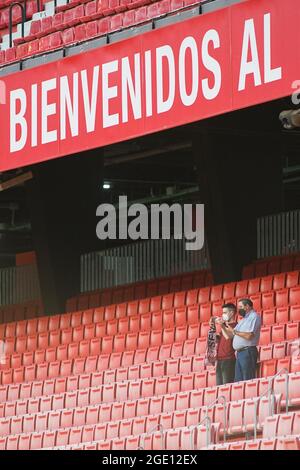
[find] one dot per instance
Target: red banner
(218, 62)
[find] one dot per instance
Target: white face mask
(225, 317)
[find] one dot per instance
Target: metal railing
(23, 7)
(278, 234)
(140, 261)
(208, 424)
(222, 399)
(158, 427)
(271, 397)
(19, 284)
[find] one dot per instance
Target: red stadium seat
(168, 318)
(185, 365)
(157, 320)
(292, 331)
(256, 299)
(241, 289)
(253, 286)
(144, 339)
(180, 316)
(288, 443)
(235, 417)
(204, 295)
(173, 440)
(205, 312)
(268, 368)
(268, 300)
(145, 321)
(266, 284)
(295, 313)
(200, 347)
(278, 333)
(279, 350)
(292, 279)
(216, 293)
(282, 298)
(282, 315)
(179, 299)
(204, 330)
(295, 364)
(265, 336)
(268, 317)
(182, 401)
(294, 295)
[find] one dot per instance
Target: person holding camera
(225, 354)
(245, 340)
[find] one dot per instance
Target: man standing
(225, 353)
(245, 339)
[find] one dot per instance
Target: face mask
(225, 317)
(242, 312)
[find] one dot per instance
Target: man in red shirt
(225, 353)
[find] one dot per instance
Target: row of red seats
(91, 376)
(80, 14)
(140, 290)
(210, 300)
(205, 296)
(66, 439)
(80, 353)
(85, 405)
(78, 418)
(10, 313)
(279, 350)
(225, 292)
(273, 265)
(34, 334)
(101, 362)
(110, 320)
(85, 355)
(44, 346)
(120, 342)
(144, 414)
(178, 391)
(281, 443)
(84, 31)
(282, 425)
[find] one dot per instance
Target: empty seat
(270, 426)
(268, 444)
(235, 417)
(266, 284)
(282, 314)
(294, 295)
(268, 317)
(265, 336)
(278, 333)
(292, 331)
(205, 312)
(295, 313)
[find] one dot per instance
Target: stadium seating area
(76, 21)
(132, 375)
(273, 265)
(10, 313)
(140, 290)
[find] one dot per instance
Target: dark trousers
(225, 371)
(245, 367)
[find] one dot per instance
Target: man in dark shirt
(225, 352)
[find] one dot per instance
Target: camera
(290, 119)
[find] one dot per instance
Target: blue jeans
(245, 366)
